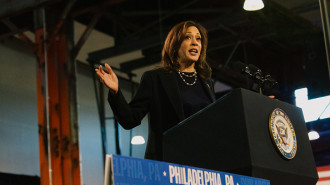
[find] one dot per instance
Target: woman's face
(190, 48)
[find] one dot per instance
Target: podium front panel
(232, 134)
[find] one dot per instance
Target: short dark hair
(172, 45)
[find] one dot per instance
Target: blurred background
(48, 49)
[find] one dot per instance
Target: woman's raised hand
(109, 79)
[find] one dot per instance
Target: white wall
(19, 142)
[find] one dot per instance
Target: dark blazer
(158, 95)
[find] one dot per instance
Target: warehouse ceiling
(285, 34)
(284, 39)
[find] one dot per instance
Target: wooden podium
(232, 135)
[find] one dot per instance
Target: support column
(57, 110)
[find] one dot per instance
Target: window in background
(313, 109)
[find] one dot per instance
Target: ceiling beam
(292, 16)
(124, 48)
(20, 33)
(307, 7)
(185, 11)
(86, 34)
(12, 7)
(95, 8)
(138, 63)
(154, 40)
(161, 18)
(63, 17)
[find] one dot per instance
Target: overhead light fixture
(138, 140)
(313, 135)
(253, 5)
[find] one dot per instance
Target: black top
(194, 97)
(159, 96)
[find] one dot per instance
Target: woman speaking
(169, 94)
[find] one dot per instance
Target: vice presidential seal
(282, 133)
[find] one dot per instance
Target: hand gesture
(109, 79)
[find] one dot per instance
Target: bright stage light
(253, 5)
(313, 135)
(138, 140)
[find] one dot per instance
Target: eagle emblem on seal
(282, 133)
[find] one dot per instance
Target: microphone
(264, 80)
(242, 67)
(270, 82)
(257, 74)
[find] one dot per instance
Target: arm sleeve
(130, 115)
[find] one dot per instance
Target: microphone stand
(262, 80)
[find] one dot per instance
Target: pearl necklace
(189, 76)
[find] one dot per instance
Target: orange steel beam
(70, 150)
(60, 166)
(42, 109)
(54, 114)
(63, 17)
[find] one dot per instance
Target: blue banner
(122, 170)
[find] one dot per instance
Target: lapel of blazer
(208, 86)
(169, 83)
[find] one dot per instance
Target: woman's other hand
(109, 79)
